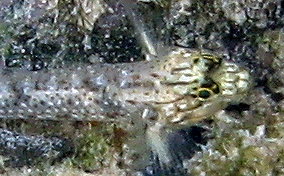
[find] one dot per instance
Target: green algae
(275, 39)
(94, 148)
(253, 161)
(246, 161)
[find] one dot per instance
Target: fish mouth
(232, 79)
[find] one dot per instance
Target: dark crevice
(238, 108)
(277, 97)
(183, 144)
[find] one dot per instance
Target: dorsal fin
(140, 27)
(151, 30)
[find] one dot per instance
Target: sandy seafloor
(244, 139)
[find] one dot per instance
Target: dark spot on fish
(31, 116)
(131, 102)
(96, 101)
(193, 95)
(69, 101)
(146, 93)
(136, 77)
(196, 60)
(155, 75)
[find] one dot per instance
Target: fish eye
(204, 93)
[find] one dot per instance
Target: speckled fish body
(148, 99)
(84, 92)
(180, 86)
